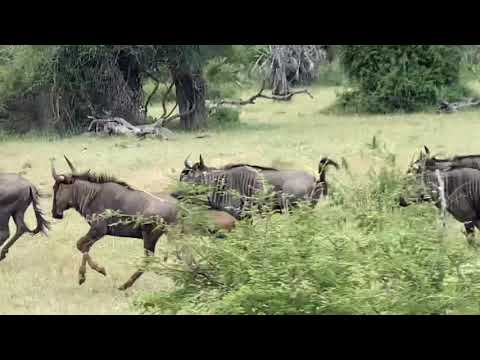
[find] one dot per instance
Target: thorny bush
(357, 253)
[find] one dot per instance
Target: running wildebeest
(290, 186)
(462, 194)
(16, 195)
(91, 195)
(216, 220)
(293, 186)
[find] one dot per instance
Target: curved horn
(54, 172)
(187, 164)
(74, 171)
(412, 160)
(202, 164)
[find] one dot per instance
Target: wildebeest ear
(427, 150)
(202, 164)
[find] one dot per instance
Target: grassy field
(39, 276)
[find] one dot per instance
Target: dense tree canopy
(58, 87)
(71, 82)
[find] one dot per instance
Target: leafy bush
(471, 60)
(224, 117)
(23, 69)
(388, 78)
(358, 254)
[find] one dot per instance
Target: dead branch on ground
(446, 107)
(260, 95)
(116, 126)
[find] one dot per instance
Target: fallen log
(446, 107)
(116, 126)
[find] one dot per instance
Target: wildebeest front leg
(149, 242)
(96, 232)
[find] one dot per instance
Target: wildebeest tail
(42, 224)
(322, 166)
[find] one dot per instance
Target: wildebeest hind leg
(149, 243)
(4, 231)
(21, 229)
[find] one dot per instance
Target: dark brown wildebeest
(209, 222)
(215, 220)
(462, 195)
(290, 186)
(16, 195)
(92, 195)
(220, 220)
(294, 186)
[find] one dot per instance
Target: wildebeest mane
(438, 160)
(100, 179)
(258, 167)
(456, 157)
(461, 157)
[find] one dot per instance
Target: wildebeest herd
(232, 195)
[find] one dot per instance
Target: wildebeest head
(427, 162)
(419, 165)
(62, 191)
(191, 173)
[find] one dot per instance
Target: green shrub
(389, 78)
(23, 69)
(471, 61)
(224, 117)
(358, 254)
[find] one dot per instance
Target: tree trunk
(190, 93)
(331, 53)
(292, 65)
(280, 84)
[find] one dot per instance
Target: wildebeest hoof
(2, 256)
(81, 279)
(123, 287)
(102, 271)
